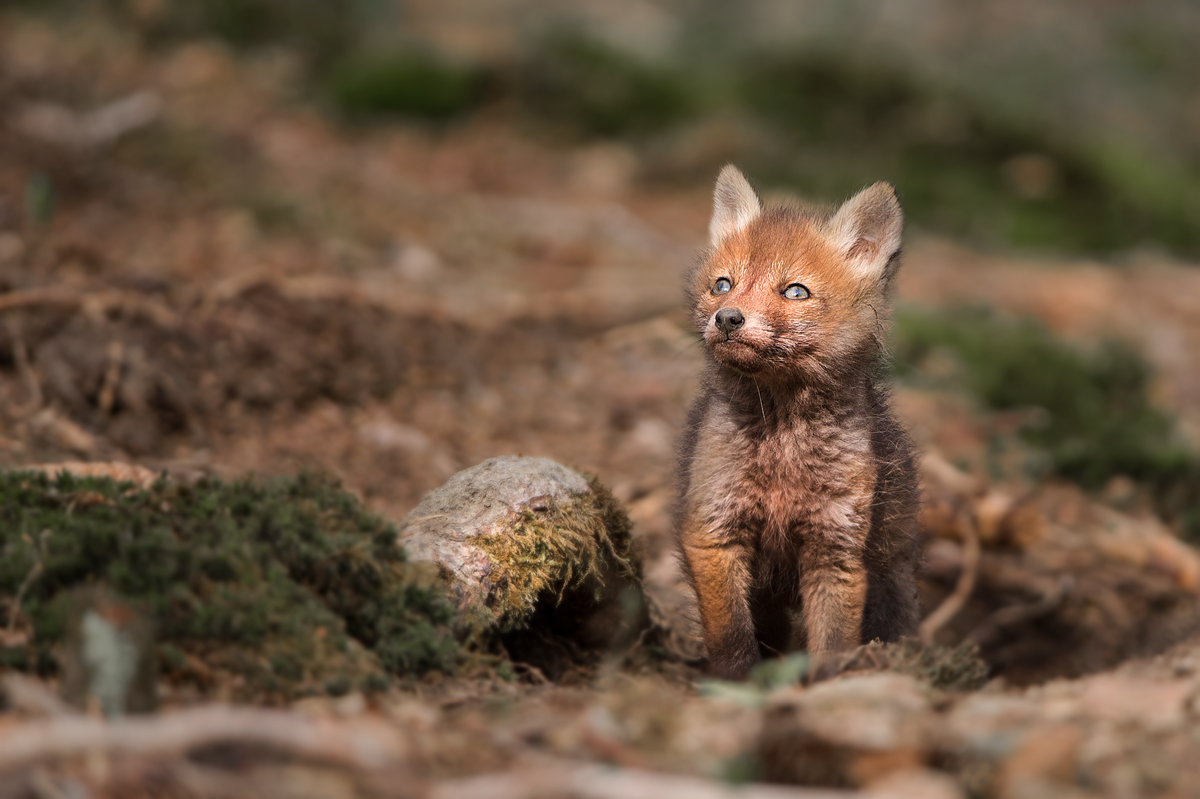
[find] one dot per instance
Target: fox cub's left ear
(735, 205)
(867, 229)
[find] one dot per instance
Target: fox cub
(797, 486)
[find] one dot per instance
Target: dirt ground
(234, 284)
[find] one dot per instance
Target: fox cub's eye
(722, 286)
(796, 292)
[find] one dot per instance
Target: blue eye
(796, 292)
(722, 286)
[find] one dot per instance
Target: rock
(846, 732)
(528, 545)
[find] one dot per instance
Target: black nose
(729, 319)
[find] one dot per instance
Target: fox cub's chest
(813, 476)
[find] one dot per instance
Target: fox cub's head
(788, 294)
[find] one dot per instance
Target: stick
(27, 298)
(952, 604)
(1010, 616)
(368, 744)
(32, 385)
(96, 303)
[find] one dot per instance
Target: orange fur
(798, 491)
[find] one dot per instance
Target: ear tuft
(735, 205)
(867, 230)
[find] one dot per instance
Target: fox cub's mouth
(736, 353)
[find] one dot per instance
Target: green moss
(958, 668)
(586, 85)
(289, 583)
(1094, 418)
(410, 83)
(553, 550)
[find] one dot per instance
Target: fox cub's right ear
(867, 228)
(735, 205)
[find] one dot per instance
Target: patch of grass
(1094, 416)
(409, 83)
(594, 89)
(290, 584)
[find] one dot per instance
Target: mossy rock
(278, 588)
(528, 545)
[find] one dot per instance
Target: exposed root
(94, 304)
(1012, 616)
(953, 603)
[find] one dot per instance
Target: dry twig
(32, 385)
(94, 303)
(1008, 617)
(953, 603)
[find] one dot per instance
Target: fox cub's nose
(729, 319)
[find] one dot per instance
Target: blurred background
(389, 239)
(1054, 126)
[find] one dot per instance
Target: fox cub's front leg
(833, 589)
(720, 573)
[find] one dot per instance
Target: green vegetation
(290, 584)
(410, 83)
(831, 122)
(40, 200)
(1095, 418)
(321, 30)
(592, 88)
(963, 166)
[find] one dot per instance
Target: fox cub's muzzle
(729, 320)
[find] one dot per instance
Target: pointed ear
(867, 228)
(735, 205)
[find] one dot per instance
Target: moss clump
(409, 83)
(1096, 419)
(958, 668)
(291, 584)
(555, 549)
